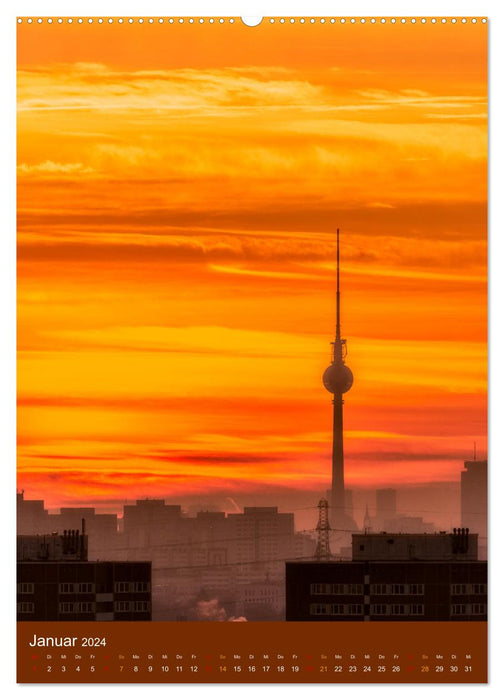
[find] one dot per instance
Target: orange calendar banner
(252, 349)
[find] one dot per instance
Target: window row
(468, 588)
(468, 609)
(88, 587)
(392, 589)
(397, 609)
(132, 586)
(397, 589)
(82, 607)
(336, 609)
(119, 606)
(83, 587)
(336, 589)
(131, 606)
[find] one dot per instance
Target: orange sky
(179, 188)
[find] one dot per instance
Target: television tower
(338, 379)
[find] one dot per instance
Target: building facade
(393, 577)
(56, 582)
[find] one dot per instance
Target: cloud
(421, 98)
(272, 274)
(115, 481)
(98, 87)
(283, 226)
(448, 251)
(207, 340)
(86, 458)
(221, 458)
(385, 456)
(269, 140)
(465, 115)
(380, 205)
(48, 167)
(203, 404)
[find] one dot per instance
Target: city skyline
(172, 339)
(438, 504)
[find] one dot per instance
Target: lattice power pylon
(323, 551)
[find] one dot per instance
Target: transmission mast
(323, 551)
(338, 379)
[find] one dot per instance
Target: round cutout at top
(251, 21)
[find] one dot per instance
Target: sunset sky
(179, 190)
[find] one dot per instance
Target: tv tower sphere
(338, 378)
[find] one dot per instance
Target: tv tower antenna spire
(338, 318)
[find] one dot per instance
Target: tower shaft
(338, 472)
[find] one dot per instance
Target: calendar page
(252, 322)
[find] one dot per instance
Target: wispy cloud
(97, 86)
(50, 168)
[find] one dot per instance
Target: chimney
(460, 540)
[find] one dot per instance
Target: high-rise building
(260, 540)
(473, 500)
(31, 516)
(386, 506)
(151, 522)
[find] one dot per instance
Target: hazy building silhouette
(386, 507)
(393, 577)
(260, 540)
(101, 528)
(389, 520)
(31, 516)
(211, 556)
(349, 507)
(97, 524)
(150, 521)
(473, 500)
(367, 524)
(408, 524)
